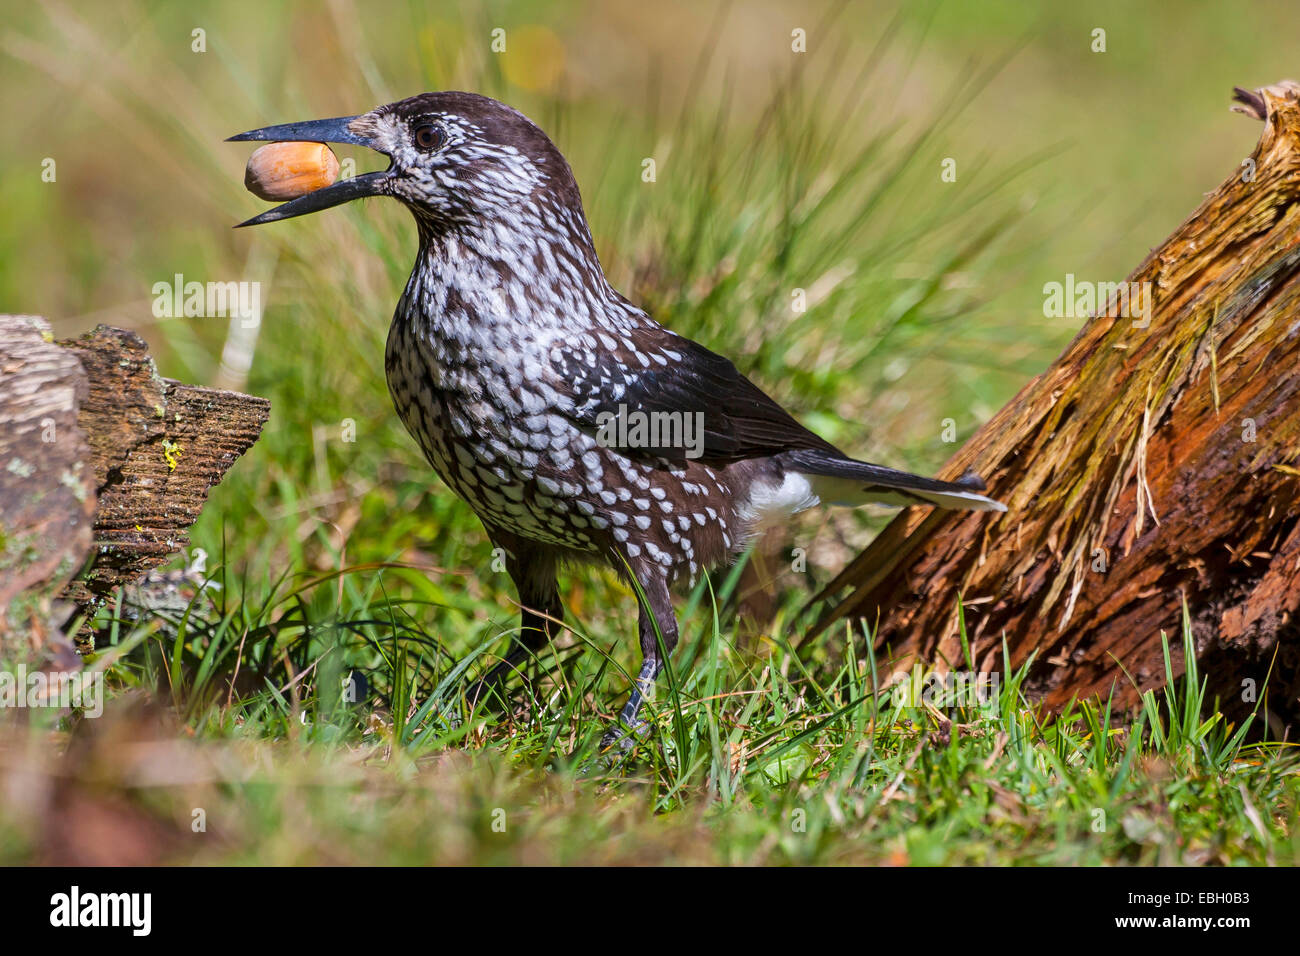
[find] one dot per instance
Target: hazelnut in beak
(281, 171)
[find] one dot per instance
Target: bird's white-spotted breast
(481, 389)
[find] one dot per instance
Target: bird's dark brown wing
(653, 371)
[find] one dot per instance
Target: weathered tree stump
(1147, 467)
(47, 487)
(104, 466)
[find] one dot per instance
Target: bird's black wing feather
(654, 371)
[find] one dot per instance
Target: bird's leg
(658, 627)
(534, 631)
(532, 568)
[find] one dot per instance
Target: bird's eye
(429, 137)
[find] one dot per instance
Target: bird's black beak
(336, 130)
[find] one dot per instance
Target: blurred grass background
(775, 171)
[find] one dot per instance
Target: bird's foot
(616, 746)
(622, 737)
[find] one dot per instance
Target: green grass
(336, 556)
(748, 759)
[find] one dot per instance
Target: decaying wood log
(1147, 467)
(47, 489)
(159, 445)
(99, 436)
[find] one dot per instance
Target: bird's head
(457, 160)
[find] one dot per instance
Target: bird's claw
(621, 737)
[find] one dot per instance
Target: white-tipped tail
(844, 481)
(851, 493)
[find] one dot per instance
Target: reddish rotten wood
(1146, 467)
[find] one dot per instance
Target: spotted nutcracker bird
(510, 355)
